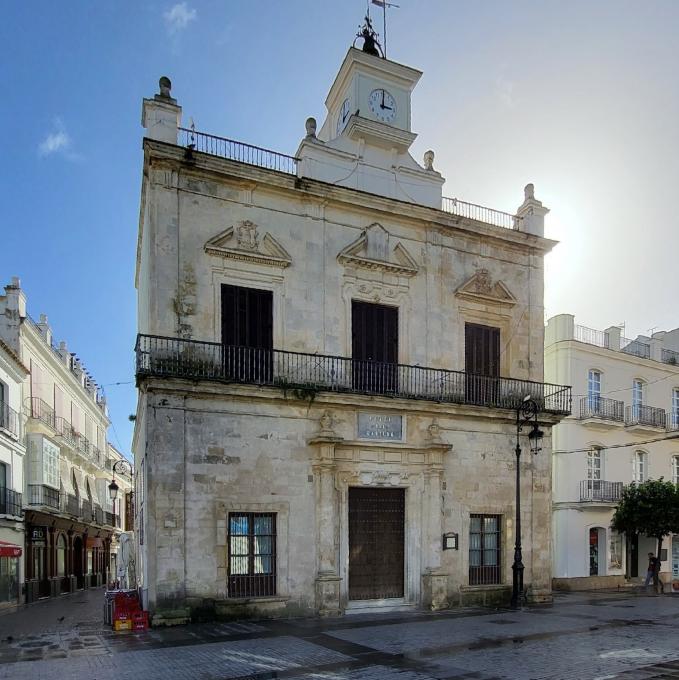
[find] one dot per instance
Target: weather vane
(383, 4)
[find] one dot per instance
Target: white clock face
(343, 116)
(382, 105)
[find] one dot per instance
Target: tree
(650, 508)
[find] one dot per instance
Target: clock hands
(382, 105)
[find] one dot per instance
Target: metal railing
(43, 495)
(70, 504)
(9, 419)
(42, 411)
(87, 512)
(645, 415)
(602, 408)
(591, 336)
(669, 356)
(635, 348)
(480, 213)
(64, 428)
(593, 490)
(11, 502)
(109, 519)
(98, 515)
(237, 151)
(297, 372)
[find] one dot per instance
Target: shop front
(10, 574)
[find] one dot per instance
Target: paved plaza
(582, 636)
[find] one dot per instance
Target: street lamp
(120, 465)
(526, 413)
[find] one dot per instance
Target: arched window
(640, 466)
(61, 555)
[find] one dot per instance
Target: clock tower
(365, 139)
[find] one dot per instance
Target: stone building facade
(624, 428)
(329, 361)
(68, 516)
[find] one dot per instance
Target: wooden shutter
(374, 332)
(482, 350)
(247, 317)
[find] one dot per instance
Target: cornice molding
(481, 288)
(248, 248)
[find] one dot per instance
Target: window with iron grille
(484, 550)
(252, 554)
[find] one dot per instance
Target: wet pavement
(582, 636)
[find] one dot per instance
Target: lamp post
(526, 413)
(119, 466)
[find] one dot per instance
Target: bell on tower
(370, 43)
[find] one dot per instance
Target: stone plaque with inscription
(380, 426)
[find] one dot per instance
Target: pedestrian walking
(658, 585)
(650, 570)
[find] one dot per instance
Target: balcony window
(594, 465)
(484, 549)
(637, 397)
(594, 390)
(374, 347)
(640, 466)
(482, 363)
(252, 554)
(674, 417)
(675, 469)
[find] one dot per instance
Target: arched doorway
(78, 551)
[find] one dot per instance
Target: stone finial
(529, 192)
(165, 85)
(16, 283)
(310, 126)
(429, 160)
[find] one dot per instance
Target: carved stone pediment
(481, 288)
(372, 250)
(243, 242)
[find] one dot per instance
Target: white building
(329, 359)
(625, 392)
(12, 454)
(69, 523)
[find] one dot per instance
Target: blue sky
(580, 98)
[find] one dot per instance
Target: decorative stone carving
(481, 288)
(371, 250)
(434, 431)
(249, 247)
(165, 87)
(248, 239)
(429, 160)
(327, 424)
(529, 192)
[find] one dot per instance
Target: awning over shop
(93, 489)
(80, 483)
(66, 478)
(9, 549)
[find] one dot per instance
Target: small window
(640, 466)
(252, 554)
(484, 549)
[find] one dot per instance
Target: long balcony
(307, 374)
(604, 412)
(599, 491)
(9, 420)
(641, 417)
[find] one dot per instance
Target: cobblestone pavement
(593, 636)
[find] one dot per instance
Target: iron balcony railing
(9, 419)
(42, 411)
(635, 348)
(591, 336)
(98, 515)
(11, 502)
(109, 519)
(669, 356)
(480, 213)
(645, 415)
(87, 512)
(597, 490)
(311, 373)
(43, 495)
(70, 504)
(237, 151)
(602, 408)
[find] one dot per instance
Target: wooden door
(482, 364)
(374, 336)
(247, 333)
(376, 543)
